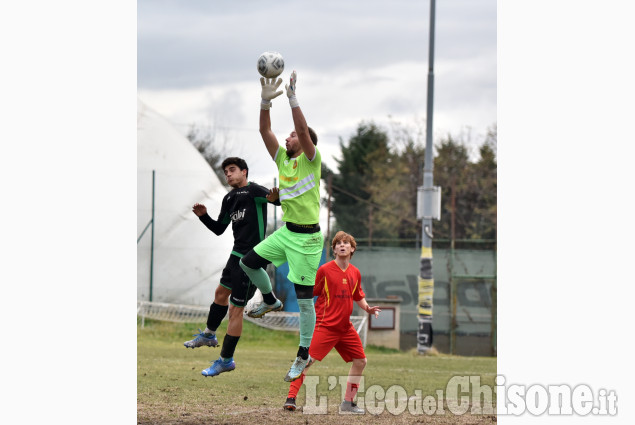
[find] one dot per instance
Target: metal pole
(426, 281)
(152, 238)
(453, 282)
(494, 308)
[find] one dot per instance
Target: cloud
(356, 61)
(185, 44)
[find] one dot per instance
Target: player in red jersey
(337, 285)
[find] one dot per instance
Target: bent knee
(360, 362)
(235, 310)
(222, 293)
(253, 261)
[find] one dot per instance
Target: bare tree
(203, 140)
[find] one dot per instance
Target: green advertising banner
(395, 272)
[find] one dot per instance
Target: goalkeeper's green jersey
(299, 187)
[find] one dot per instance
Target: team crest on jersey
(344, 281)
(295, 164)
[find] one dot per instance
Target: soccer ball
(270, 64)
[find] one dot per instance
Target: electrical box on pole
(429, 203)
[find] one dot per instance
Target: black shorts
(235, 279)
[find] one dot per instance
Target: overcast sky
(356, 61)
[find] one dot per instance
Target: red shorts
(347, 343)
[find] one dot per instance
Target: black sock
(303, 352)
(216, 315)
(269, 298)
(229, 346)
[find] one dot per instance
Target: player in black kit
(245, 207)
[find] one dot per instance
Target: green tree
(451, 173)
(411, 159)
(352, 184)
(375, 189)
(484, 172)
(468, 200)
(376, 183)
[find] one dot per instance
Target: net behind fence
(277, 320)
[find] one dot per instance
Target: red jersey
(336, 290)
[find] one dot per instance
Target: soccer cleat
(289, 404)
(297, 368)
(265, 308)
(350, 407)
(201, 340)
(218, 367)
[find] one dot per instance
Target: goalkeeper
(299, 242)
(337, 285)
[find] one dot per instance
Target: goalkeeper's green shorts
(302, 251)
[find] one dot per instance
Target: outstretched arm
(301, 127)
(269, 87)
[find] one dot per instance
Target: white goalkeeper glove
(268, 93)
(291, 90)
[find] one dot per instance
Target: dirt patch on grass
(244, 415)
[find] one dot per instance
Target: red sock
(351, 390)
(295, 386)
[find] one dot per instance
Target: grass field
(171, 389)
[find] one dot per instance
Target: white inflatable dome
(187, 258)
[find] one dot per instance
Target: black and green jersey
(246, 209)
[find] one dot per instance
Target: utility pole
(453, 294)
(426, 281)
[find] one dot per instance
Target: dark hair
(313, 135)
(239, 162)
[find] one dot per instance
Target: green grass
(171, 389)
